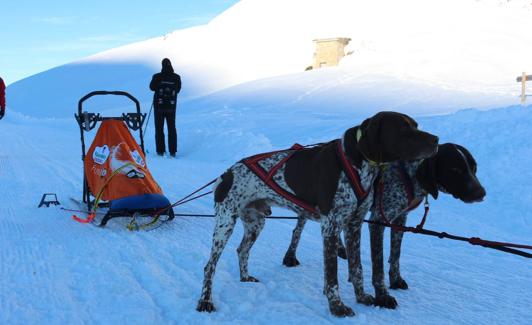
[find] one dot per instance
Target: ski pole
(148, 123)
(148, 120)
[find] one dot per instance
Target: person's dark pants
(159, 117)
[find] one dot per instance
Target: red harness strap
(409, 187)
(352, 173)
(422, 223)
(267, 176)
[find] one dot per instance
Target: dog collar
(359, 134)
(371, 162)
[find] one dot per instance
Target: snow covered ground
(452, 65)
(54, 270)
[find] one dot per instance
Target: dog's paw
(385, 301)
(398, 283)
(204, 305)
(249, 279)
(365, 299)
(290, 261)
(338, 309)
(342, 253)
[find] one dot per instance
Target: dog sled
(115, 172)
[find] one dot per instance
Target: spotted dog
(404, 185)
(452, 170)
(315, 175)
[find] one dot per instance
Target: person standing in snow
(166, 86)
(2, 98)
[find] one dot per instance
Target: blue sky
(38, 35)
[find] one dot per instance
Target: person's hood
(167, 66)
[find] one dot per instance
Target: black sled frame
(87, 122)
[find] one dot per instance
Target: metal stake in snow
(523, 79)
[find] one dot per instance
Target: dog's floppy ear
(470, 160)
(369, 142)
(426, 176)
(350, 145)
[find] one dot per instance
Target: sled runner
(115, 173)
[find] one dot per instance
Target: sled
(115, 172)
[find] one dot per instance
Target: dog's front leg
(396, 281)
(382, 298)
(329, 231)
(352, 239)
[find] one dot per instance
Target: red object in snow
(2, 94)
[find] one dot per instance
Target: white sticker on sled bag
(101, 154)
(138, 158)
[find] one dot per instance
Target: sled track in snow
(30, 238)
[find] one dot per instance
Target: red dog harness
(409, 189)
(267, 176)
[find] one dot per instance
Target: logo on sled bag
(99, 171)
(112, 153)
(101, 154)
(138, 158)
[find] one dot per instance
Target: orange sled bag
(116, 171)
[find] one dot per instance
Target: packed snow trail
(55, 270)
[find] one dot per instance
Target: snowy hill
(430, 42)
(342, 91)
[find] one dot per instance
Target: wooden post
(523, 89)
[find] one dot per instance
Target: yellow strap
(100, 193)
(133, 225)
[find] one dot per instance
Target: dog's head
(390, 136)
(452, 170)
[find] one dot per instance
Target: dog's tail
(218, 182)
(222, 186)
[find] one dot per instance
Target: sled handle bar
(105, 92)
(92, 120)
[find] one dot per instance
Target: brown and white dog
(316, 176)
(452, 170)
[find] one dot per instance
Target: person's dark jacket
(166, 75)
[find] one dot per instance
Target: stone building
(329, 51)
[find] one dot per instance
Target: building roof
(338, 39)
